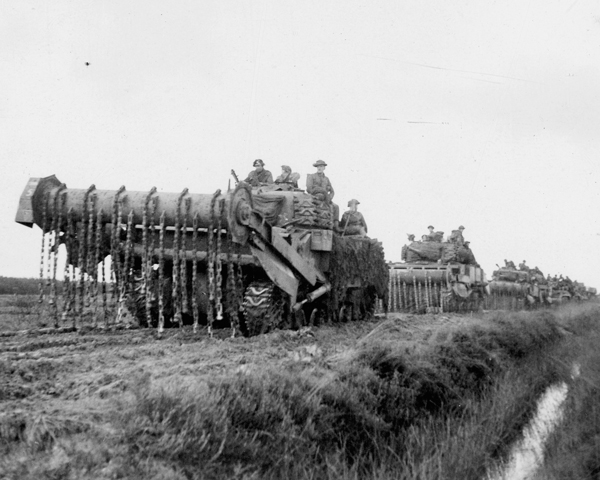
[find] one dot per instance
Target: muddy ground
(80, 375)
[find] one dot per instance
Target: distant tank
(252, 259)
(512, 289)
(436, 277)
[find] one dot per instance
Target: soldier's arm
(269, 178)
(331, 191)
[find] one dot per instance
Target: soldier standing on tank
(353, 222)
(431, 234)
(318, 185)
(259, 176)
(457, 236)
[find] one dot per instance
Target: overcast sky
(480, 113)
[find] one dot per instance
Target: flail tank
(249, 259)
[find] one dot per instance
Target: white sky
(481, 113)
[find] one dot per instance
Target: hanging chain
(195, 271)
(91, 265)
(57, 225)
(115, 242)
(161, 274)
(176, 294)
(100, 286)
(127, 284)
(240, 281)
(183, 257)
(149, 204)
(219, 266)
(43, 254)
(70, 282)
(211, 264)
(231, 294)
(82, 238)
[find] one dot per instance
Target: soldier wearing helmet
(353, 222)
(259, 176)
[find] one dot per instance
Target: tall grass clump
(387, 408)
(573, 450)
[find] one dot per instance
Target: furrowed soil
(128, 404)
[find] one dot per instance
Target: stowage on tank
(249, 259)
(436, 276)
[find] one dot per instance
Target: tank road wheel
(264, 307)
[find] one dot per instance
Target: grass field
(428, 396)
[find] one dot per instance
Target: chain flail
(148, 245)
(91, 265)
(231, 294)
(70, 285)
(239, 282)
(57, 225)
(100, 285)
(176, 297)
(219, 266)
(211, 265)
(127, 283)
(43, 253)
(183, 257)
(195, 292)
(161, 274)
(115, 242)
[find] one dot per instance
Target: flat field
(390, 397)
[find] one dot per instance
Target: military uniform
(288, 178)
(318, 183)
(257, 178)
(353, 223)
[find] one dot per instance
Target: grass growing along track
(573, 449)
(429, 396)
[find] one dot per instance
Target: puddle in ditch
(527, 454)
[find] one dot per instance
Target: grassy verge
(573, 450)
(445, 406)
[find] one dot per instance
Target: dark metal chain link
(195, 271)
(43, 254)
(115, 242)
(219, 266)
(161, 274)
(183, 257)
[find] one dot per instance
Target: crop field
(402, 396)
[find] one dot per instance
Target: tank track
(263, 307)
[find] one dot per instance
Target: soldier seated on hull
(287, 179)
(353, 222)
(523, 267)
(259, 176)
(509, 264)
